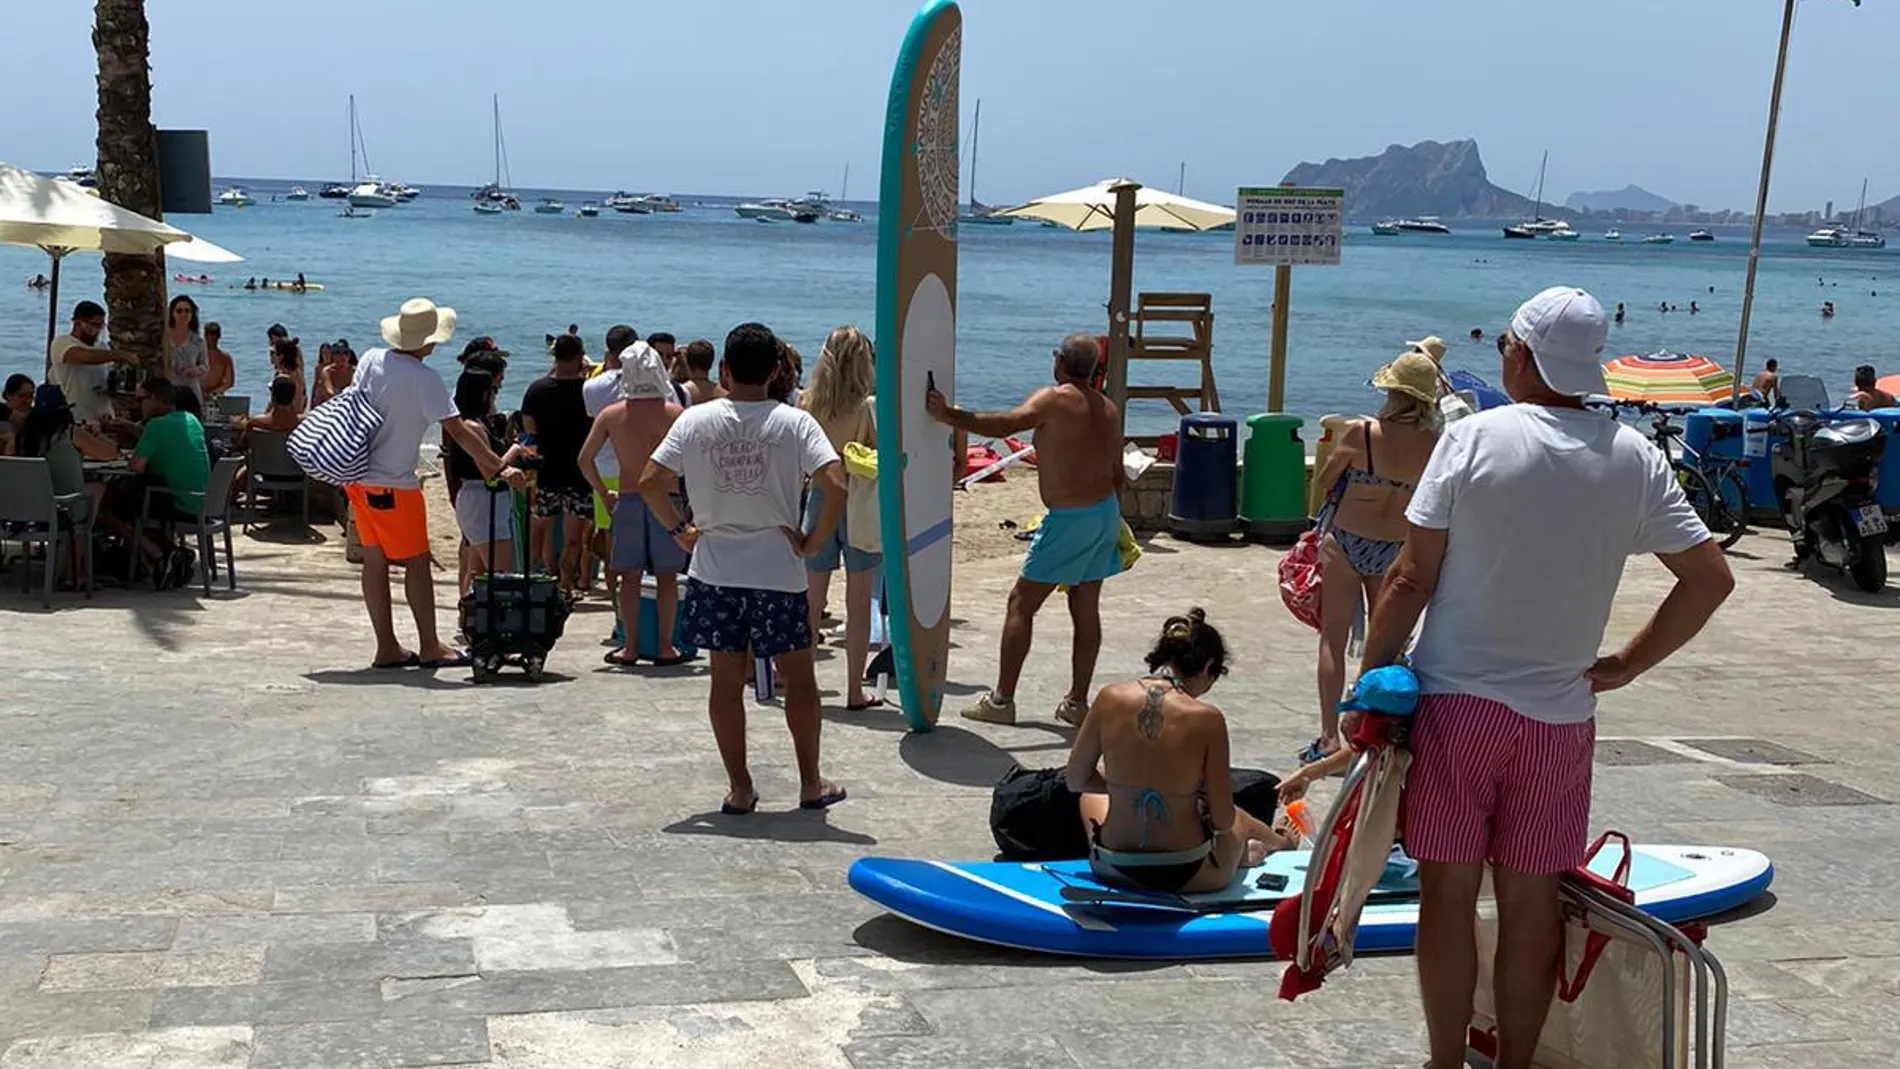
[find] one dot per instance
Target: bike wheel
(1730, 507)
(1702, 496)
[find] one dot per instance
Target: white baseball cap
(643, 374)
(1566, 331)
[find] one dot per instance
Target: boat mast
(496, 101)
(1862, 206)
(352, 139)
(1537, 214)
(844, 187)
(1180, 181)
(364, 145)
(976, 134)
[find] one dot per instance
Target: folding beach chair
(1314, 930)
(1632, 993)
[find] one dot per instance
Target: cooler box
(1273, 487)
(1887, 491)
(1205, 500)
(647, 643)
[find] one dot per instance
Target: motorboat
(371, 193)
(658, 203)
(1424, 224)
(351, 211)
(82, 177)
(1562, 233)
(1386, 228)
(334, 191)
(488, 207)
(1660, 239)
(235, 197)
(1612, 235)
(1849, 237)
(765, 211)
(1866, 239)
(297, 193)
(1701, 235)
(1521, 233)
(844, 215)
(550, 206)
(588, 210)
(404, 193)
(629, 203)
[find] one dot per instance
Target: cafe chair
(32, 514)
(271, 470)
(214, 520)
(234, 405)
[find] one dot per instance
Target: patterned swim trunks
(727, 619)
(552, 501)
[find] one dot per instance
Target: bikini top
(1368, 476)
(1151, 804)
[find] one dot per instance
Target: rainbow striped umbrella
(1668, 379)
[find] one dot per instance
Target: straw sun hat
(1431, 345)
(420, 322)
(1412, 373)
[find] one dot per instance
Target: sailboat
(1538, 226)
(369, 193)
(495, 198)
(980, 213)
(842, 214)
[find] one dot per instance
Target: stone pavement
(223, 844)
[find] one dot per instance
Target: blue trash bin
(1205, 502)
(1887, 487)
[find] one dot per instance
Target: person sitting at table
(51, 434)
(170, 455)
(220, 372)
(287, 359)
(18, 396)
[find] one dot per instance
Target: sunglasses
(1505, 341)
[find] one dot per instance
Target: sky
(749, 97)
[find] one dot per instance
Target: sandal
(832, 796)
(677, 659)
(868, 703)
(726, 807)
(1314, 752)
(614, 659)
(410, 661)
(458, 659)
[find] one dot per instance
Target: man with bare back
(634, 425)
(1078, 471)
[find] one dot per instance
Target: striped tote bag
(333, 442)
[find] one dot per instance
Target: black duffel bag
(1034, 816)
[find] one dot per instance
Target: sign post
(1284, 226)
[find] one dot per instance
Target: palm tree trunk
(128, 172)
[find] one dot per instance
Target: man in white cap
(634, 424)
(391, 517)
(1520, 529)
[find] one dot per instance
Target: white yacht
(816, 204)
(766, 211)
(488, 207)
(403, 192)
(1424, 224)
(297, 193)
(658, 203)
(1561, 233)
(1660, 239)
(1538, 226)
(588, 210)
(235, 197)
(371, 193)
(1612, 235)
(550, 206)
(1701, 235)
(1849, 237)
(1386, 228)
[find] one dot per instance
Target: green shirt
(173, 449)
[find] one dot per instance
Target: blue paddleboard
(1059, 908)
(917, 347)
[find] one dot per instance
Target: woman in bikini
(1151, 764)
(1371, 476)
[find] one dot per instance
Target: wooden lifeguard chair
(1174, 327)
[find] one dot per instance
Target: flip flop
(1312, 754)
(410, 661)
(731, 810)
(826, 800)
(869, 703)
(458, 660)
(673, 661)
(617, 661)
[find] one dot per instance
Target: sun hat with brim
(1412, 373)
(1431, 345)
(1565, 329)
(420, 322)
(49, 398)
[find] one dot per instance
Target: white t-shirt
(83, 384)
(745, 462)
(412, 399)
(597, 393)
(1542, 507)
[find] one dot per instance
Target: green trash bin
(1273, 479)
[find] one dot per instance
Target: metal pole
(1276, 368)
(1761, 202)
(1120, 284)
(52, 308)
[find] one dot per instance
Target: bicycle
(1715, 486)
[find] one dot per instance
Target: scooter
(1824, 476)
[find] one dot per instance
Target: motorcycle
(1824, 477)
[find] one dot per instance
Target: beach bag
(1034, 816)
(333, 442)
(1300, 569)
(863, 529)
(1612, 982)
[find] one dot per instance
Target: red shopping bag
(1300, 569)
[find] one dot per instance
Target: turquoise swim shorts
(1077, 545)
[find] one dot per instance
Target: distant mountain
(1888, 209)
(1629, 198)
(1430, 178)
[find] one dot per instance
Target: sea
(520, 276)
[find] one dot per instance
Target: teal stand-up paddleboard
(916, 348)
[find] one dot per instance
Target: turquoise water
(519, 276)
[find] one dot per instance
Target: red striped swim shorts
(1488, 783)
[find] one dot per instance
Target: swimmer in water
(1619, 311)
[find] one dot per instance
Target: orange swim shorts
(393, 520)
